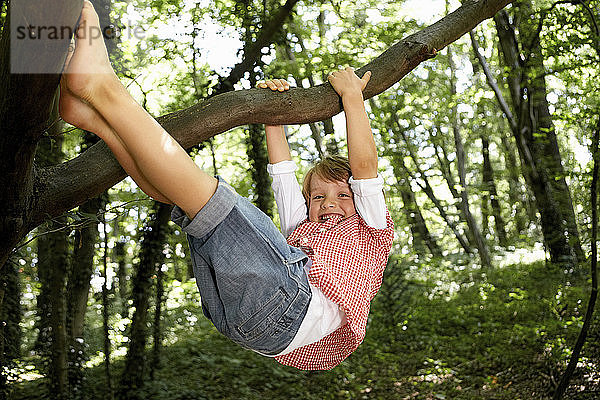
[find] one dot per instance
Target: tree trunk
(536, 139)
(427, 188)
(315, 132)
(10, 318)
(256, 147)
(106, 312)
(490, 188)
(482, 248)
(421, 236)
(121, 284)
(453, 187)
(516, 195)
(53, 259)
(257, 157)
(151, 257)
(156, 331)
(78, 288)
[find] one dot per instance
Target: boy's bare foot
(77, 112)
(88, 66)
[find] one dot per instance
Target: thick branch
(297, 106)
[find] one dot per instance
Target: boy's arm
(277, 145)
(362, 152)
(159, 158)
(288, 194)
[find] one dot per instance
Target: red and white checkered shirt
(348, 259)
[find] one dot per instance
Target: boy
(254, 285)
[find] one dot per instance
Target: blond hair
(330, 168)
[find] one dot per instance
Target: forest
(486, 117)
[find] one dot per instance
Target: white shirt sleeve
(288, 195)
(369, 200)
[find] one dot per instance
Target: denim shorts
(252, 283)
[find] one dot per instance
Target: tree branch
(64, 187)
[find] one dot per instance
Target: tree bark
(314, 128)
(106, 313)
(62, 187)
(510, 159)
(256, 147)
(25, 106)
(121, 285)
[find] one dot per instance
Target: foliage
(446, 335)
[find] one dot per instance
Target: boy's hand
(280, 85)
(277, 146)
(346, 82)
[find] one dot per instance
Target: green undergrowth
(436, 332)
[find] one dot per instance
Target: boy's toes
(88, 13)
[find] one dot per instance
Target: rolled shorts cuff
(212, 214)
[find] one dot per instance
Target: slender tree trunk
(315, 132)
(157, 332)
(566, 377)
(490, 188)
(256, 147)
(515, 191)
(78, 288)
(121, 284)
(10, 318)
(400, 135)
(53, 260)
(257, 157)
(151, 257)
(515, 196)
(105, 312)
(448, 175)
(421, 236)
(485, 214)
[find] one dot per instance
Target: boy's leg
(159, 157)
(82, 115)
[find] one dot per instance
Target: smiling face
(328, 198)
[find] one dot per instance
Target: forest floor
(436, 332)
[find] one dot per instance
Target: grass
(436, 332)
